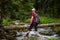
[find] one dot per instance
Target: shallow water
(41, 36)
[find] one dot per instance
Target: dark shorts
(33, 24)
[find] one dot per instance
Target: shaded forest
(12, 10)
(21, 9)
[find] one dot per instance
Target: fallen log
(27, 26)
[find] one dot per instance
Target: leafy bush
(5, 22)
(27, 21)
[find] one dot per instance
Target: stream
(44, 34)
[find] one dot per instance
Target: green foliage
(53, 39)
(32, 38)
(27, 21)
(22, 23)
(6, 22)
(45, 20)
(49, 20)
(57, 30)
(21, 9)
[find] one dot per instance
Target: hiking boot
(27, 34)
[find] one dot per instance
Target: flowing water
(44, 34)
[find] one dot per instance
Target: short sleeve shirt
(34, 17)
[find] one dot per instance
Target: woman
(33, 22)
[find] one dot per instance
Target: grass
(52, 39)
(46, 20)
(49, 20)
(31, 38)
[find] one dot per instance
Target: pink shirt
(34, 17)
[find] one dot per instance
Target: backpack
(37, 18)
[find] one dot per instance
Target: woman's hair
(33, 9)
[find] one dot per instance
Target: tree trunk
(2, 12)
(26, 27)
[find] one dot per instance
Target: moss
(52, 39)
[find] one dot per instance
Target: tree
(2, 12)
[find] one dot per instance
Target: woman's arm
(31, 19)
